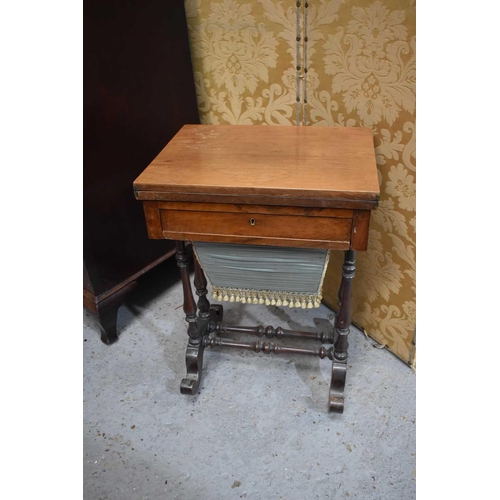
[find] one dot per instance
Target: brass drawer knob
(252, 221)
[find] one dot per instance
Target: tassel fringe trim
(269, 298)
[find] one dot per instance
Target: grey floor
(258, 428)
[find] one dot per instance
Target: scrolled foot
(337, 385)
(189, 386)
(194, 366)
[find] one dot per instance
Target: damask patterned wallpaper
(328, 63)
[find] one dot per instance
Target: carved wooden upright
(311, 187)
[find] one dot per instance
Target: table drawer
(255, 225)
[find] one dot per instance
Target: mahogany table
(288, 186)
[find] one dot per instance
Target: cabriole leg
(342, 326)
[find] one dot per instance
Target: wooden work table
(276, 186)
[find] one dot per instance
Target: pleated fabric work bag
(251, 274)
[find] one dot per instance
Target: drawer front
(257, 228)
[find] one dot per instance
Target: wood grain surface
(288, 162)
(256, 209)
(360, 230)
(260, 229)
(314, 202)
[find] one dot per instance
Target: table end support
(194, 351)
(198, 318)
(342, 327)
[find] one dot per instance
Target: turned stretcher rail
(270, 332)
(267, 347)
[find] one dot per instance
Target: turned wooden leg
(194, 351)
(342, 326)
(200, 283)
(339, 299)
(212, 312)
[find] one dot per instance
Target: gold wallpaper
(328, 63)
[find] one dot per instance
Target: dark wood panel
(138, 92)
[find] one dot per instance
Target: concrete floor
(258, 428)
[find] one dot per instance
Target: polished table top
(335, 166)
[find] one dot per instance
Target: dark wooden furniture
(280, 186)
(138, 92)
